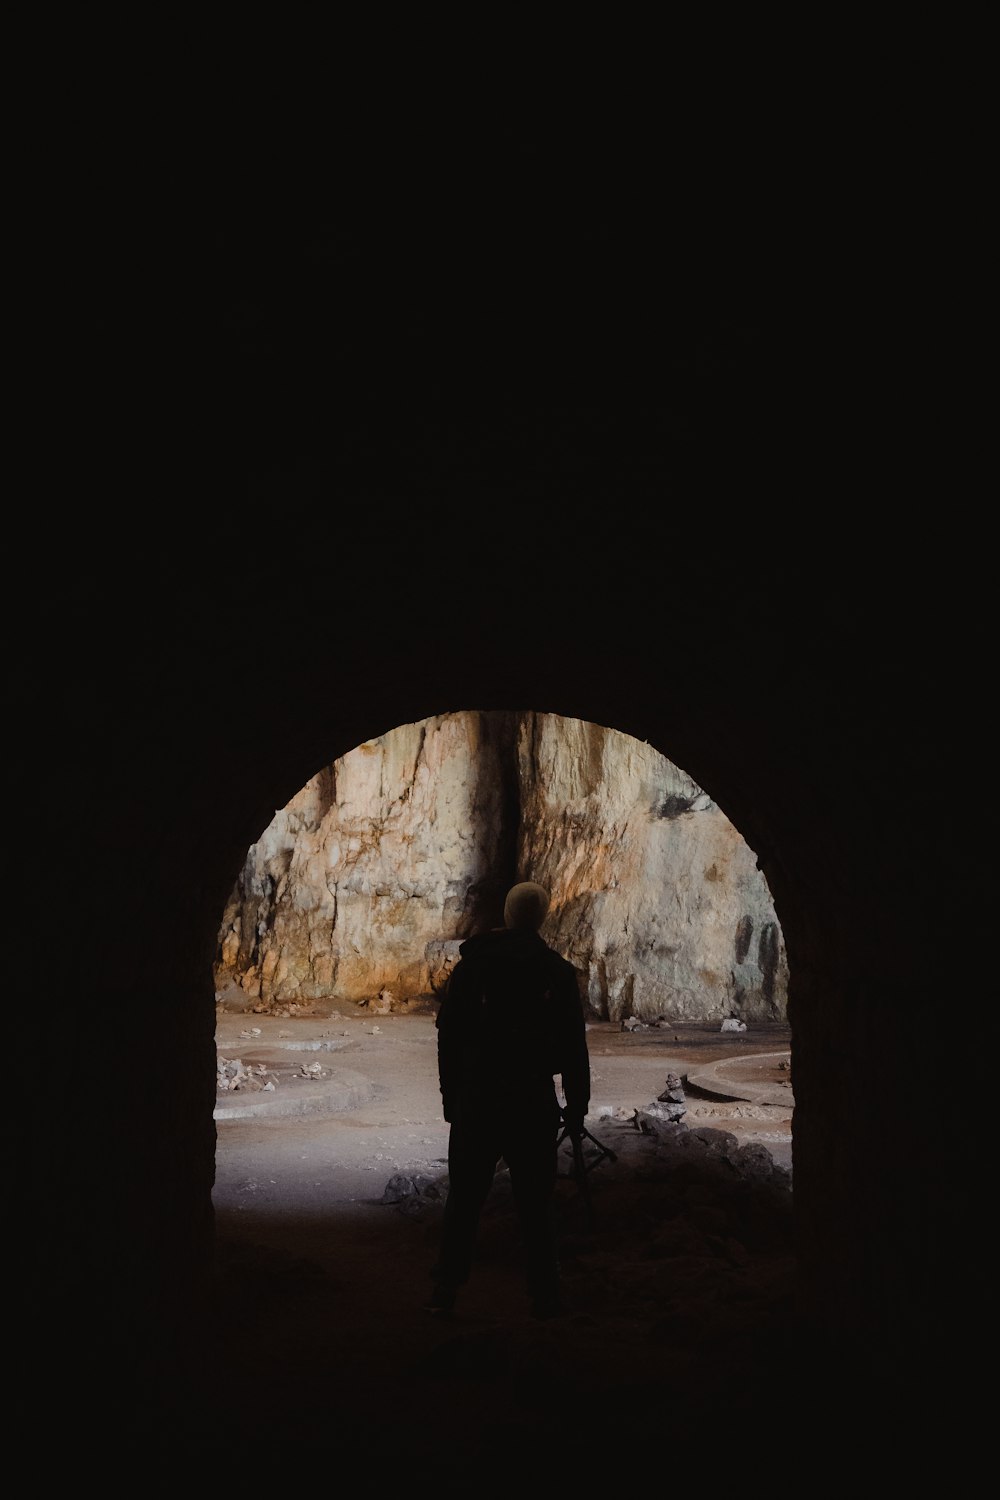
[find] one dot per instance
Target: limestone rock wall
(368, 880)
(657, 898)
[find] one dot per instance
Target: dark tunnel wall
(607, 470)
(180, 802)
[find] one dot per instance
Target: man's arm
(449, 1042)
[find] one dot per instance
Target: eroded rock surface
(365, 884)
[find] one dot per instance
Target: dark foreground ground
(677, 1360)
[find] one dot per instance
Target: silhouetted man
(510, 1020)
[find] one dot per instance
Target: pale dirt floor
(677, 1306)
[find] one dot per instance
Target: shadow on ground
(678, 1271)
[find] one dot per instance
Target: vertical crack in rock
(744, 932)
(768, 950)
(326, 792)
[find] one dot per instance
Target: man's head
(526, 905)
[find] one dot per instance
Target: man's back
(510, 1020)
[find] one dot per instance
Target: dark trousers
(527, 1143)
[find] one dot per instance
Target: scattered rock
(263, 1008)
(380, 1004)
(232, 1076)
(231, 998)
(412, 1193)
(671, 1104)
(310, 1070)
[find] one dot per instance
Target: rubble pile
(413, 1193)
(681, 1245)
(262, 1008)
(632, 1023)
(233, 1075)
(670, 1105)
(386, 1003)
(310, 1070)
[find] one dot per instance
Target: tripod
(580, 1165)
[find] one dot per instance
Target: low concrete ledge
(755, 1077)
(340, 1092)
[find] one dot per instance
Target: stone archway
(177, 819)
(651, 534)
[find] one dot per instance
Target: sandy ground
(398, 1127)
(322, 1276)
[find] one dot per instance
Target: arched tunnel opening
(707, 477)
(409, 844)
(144, 1223)
(334, 950)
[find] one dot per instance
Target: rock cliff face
(364, 885)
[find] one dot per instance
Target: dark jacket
(510, 1020)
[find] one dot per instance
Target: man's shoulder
(556, 959)
(560, 968)
(502, 953)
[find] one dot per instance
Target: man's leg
(530, 1154)
(472, 1160)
